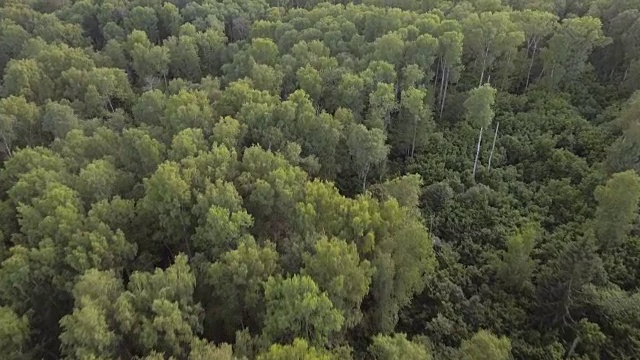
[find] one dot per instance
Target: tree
(184, 58)
(296, 308)
(337, 269)
(485, 346)
(490, 35)
(417, 114)
(382, 102)
(169, 20)
(14, 334)
(236, 280)
(11, 41)
(229, 132)
(158, 312)
(299, 349)
(515, 267)
(622, 154)
(349, 93)
(167, 202)
(536, 25)
(617, 208)
(188, 142)
(266, 78)
(569, 48)
(367, 148)
(478, 106)
(143, 18)
(19, 121)
(220, 229)
(148, 60)
(310, 81)
(397, 347)
(450, 51)
(264, 51)
(211, 43)
(26, 77)
(390, 48)
(403, 258)
(94, 91)
(97, 181)
(422, 52)
(58, 119)
(187, 109)
(137, 152)
(86, 332)
(479, 112)
(406, 190)
(412, 76)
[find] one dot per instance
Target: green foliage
(237, 281)
(367, 149)
(297, 308)
(397, 347)
(300, 349)
(484, 346)
(478, 106)
(14, 334)
(336, 268)
(515, 266)
(617, 208)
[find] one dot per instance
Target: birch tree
(479, 112)
(367, 149)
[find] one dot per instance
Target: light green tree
(617, 208)
(296, 308)
(337, 269)
(14, 334)
(299, 350)
(397, 346)
(236, 280)
(485, 346)
(515, 266)
(367, 149)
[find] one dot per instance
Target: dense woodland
(297, 179)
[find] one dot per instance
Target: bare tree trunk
(415, 133)
(533, 56)
(187, 241)
(444, 71)
(484, 65)
(475, 163)
(364, 178)
(6, 145)
(626, 73)
(572, 349)
(444, 97)
(493, 147)
(437, 73)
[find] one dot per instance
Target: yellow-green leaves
(297, 308)
(397, 347)
(485, 346)
(14, 334)
(336, 267)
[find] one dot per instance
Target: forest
(319, 180)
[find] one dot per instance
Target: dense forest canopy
(299, 179)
